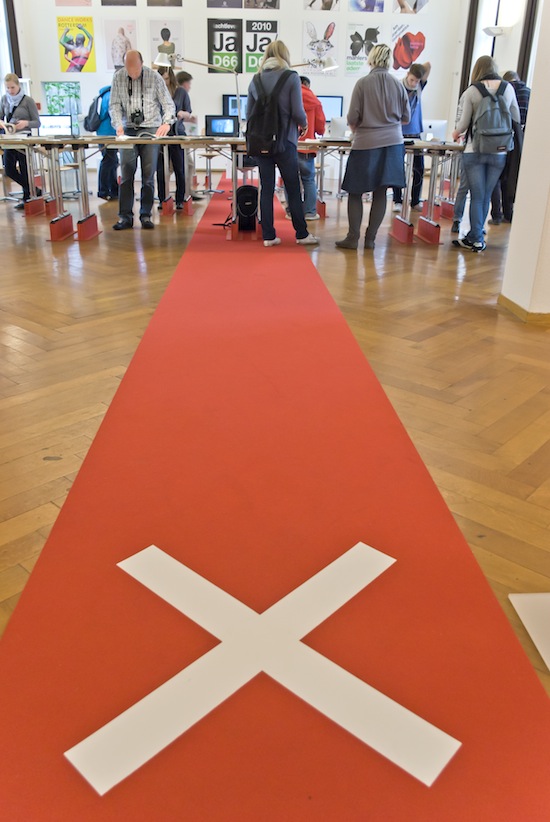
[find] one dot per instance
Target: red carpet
(251, 443)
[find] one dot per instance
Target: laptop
(218, 125)
(435, 130)
(55, 125)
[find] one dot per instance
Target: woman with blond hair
(18, 110)
(292, 123)
(379, 106)
(481, 169)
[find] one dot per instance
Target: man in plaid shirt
(140, 106)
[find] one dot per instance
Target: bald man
(140, 105)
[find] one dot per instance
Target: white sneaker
(418, 207)
(310, 217)
(275, 241)
(309, 240)
(397, 207)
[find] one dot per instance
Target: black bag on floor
(247, 207)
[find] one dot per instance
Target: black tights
(355, 214)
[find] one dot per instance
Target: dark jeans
(15, 164)
(287, 161)
(417, 180)
(107, 181)
(148, 154)
(176, 156)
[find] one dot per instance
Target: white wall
(37, 25)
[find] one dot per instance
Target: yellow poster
(76, 44)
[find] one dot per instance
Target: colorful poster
(407, 46)
(258, 35)
(360, 41)
(73, 2)
(76, 44)
(322, 5)
(166, 38)
(259, 5)
(225, 41)
(120, 36)
(366, 5)
(319, 45)
(164, 2)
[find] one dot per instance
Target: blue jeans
(306, 166)
(287, 161)
(148, 154)
(107, 173)
(482, 172)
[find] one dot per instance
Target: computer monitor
(435, 130)
(333, 105)
(230, 108)
(55, 125)
(218, 125)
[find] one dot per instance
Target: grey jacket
(379, 106)
(26, 110)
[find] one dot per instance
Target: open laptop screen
(55, 125)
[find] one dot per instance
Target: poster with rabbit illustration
(323, 5)
(319, 44)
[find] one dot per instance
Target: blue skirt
(370, 168)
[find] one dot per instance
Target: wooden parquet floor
(470, 382)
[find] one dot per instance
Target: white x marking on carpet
(251, 643)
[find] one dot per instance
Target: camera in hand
(137, 118)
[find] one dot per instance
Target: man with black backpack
(486, 111)
(275, 118)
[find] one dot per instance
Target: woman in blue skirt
(379, 106)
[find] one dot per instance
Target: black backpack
(247, 207)
(93, 119)
(492, 122)
(263, 125)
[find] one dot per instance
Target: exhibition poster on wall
(409, 6)
(120, 37)
(166, 38)
(73, 2)
(261, 5)
(164, 3)
(225, 41)
(118, 2)
(360, 41)
(76, 44)
(224, 4)
(319, 42)
(367, 5)
(322, 5)
(258, 35)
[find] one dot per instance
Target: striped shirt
(148, 95)
(523, 94)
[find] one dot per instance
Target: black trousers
(15, 163)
